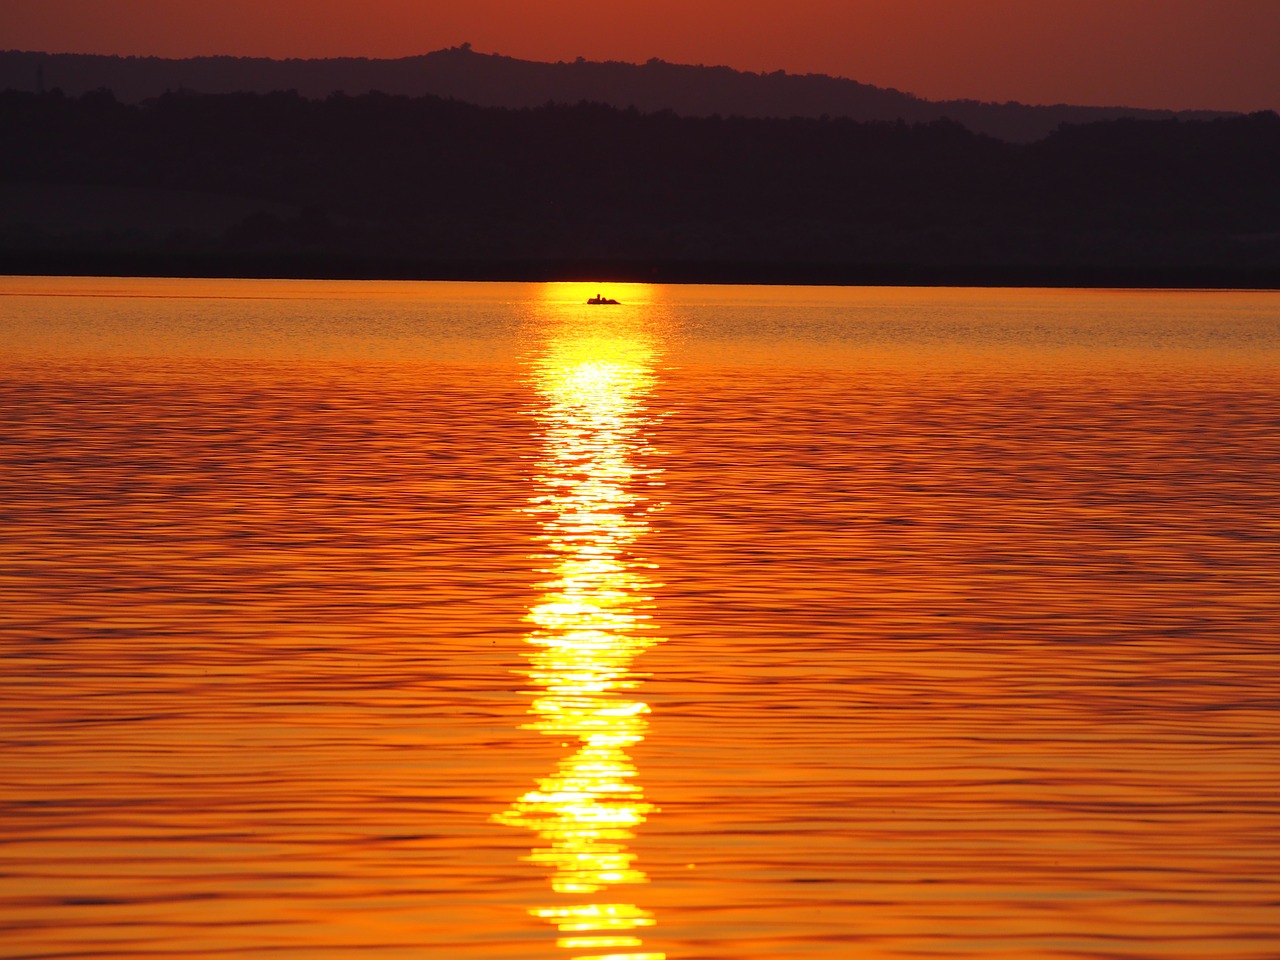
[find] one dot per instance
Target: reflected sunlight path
(590, 623)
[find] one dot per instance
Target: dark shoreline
(326, 267)
(397, 188)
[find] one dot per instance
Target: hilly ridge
(491, 80)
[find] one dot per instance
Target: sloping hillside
(491, 80)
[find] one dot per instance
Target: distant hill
(490, 80)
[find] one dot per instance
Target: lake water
(468, 621)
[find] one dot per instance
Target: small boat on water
(597, 299)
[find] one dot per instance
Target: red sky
(1214, 54)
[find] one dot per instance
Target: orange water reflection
(592, 620)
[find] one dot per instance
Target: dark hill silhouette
(491, 80)
(380, 185)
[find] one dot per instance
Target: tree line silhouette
(392, 185)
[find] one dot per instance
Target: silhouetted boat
(597, 299)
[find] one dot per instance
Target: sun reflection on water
(592, 620)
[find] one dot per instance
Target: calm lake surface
(433, 621)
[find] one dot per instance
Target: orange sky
(1216, 54)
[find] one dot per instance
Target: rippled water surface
(730, 623)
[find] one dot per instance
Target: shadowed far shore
(420, 187)
(321, 267)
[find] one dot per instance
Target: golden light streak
(591, 622)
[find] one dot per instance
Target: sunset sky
(1213, 54)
